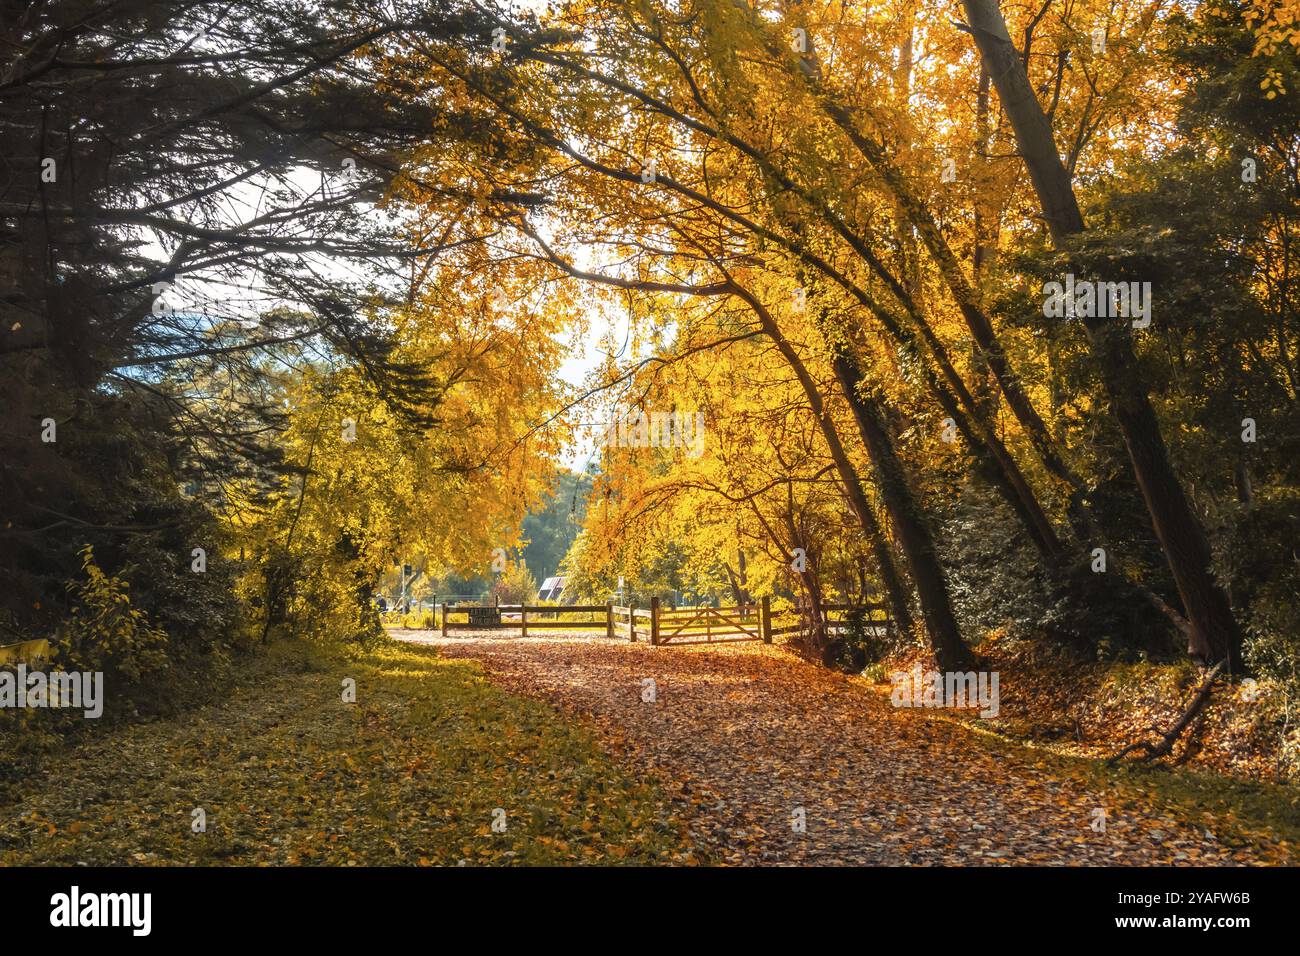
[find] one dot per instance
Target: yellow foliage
(106, 633)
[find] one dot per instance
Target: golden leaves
(287, 775)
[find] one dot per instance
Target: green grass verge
(1239, 812)
(286, 772)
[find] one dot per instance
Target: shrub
(107, 633)
(861, 643)
(417, 621)
(515, 586)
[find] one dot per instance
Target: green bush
(415, 621)
(860, 644)
(106, 633)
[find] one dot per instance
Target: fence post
(609, 619)
(654, 622)
(765, 622)
(523, 620)
(444, 618)
(631, 620)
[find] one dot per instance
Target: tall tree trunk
(895, 591)
(927, 230)
(986, 211)
(1215, 635)
(910, 527)
(945, 638)
(814, 635)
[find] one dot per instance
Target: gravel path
(745, 737)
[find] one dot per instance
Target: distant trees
(551, 528)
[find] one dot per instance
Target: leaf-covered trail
(742, 736)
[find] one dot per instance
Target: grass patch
(1240, 808)
(1238, 812)
(287, 773)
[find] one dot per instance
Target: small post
(654, 622)
(523, 620)
(609, 619)
(631, 620)
(444, 618)
(765, 622)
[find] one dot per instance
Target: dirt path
(744, 736)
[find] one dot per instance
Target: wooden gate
(686, 625)
(708, 625)
(694, 625)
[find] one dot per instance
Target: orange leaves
(729, 743)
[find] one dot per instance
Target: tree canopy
(293, 284)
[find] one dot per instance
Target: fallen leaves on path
(746, 736)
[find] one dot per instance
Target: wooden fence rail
(687, 625)
(835, 618)
(544, 617)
